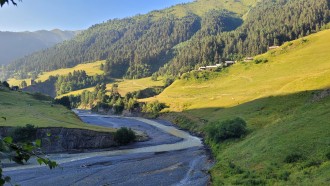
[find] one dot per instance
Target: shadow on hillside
(263, 109)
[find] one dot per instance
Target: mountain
(136, 46)
(182, 37)
(15, 45)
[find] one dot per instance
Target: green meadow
(284, 100)
(90, 68)
(21, 108)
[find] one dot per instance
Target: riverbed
(170, 157)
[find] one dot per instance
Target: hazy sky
(31, 15)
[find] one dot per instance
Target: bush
(328, 155)
(292, 158)
(25, 134)
(228, 129)
(168, 81)
(263, 60)
(65, 101)
(153, 108)
(124, 136)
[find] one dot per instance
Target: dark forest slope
(183, 37)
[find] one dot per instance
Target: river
(170, 157)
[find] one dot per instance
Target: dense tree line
(139, 46)
(99, 100)
(271, 22)
(58, 85)
(76, 81)
(134, 47)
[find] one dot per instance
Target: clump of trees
(124, 136)
(77, 80)
(152, 109)
(4, 84)
(228, 129)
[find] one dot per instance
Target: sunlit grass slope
(286, 105)
(126, 85)
(296, 66)
(21, 108)
(200, 7)
(90, 68)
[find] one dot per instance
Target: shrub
(65, 101)
(153, 108)
(328, 155)
(168, 81)
(263, 60)
(124, 136)
(285, 175)
(25, 134)
(234, 128)
(292, 158)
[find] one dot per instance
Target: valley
(142, 163)
(250, 78)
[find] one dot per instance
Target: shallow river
(170, 157)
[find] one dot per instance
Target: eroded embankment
(56, 139)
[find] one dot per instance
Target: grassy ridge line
(200, 7)
(21, 108)
(90, 68)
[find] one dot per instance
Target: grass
(300, 67)
(280, 127)
(90, 68)
(285, 105)
(126, 85)
(200, 7)
(21, 108)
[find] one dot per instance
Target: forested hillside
(134, 47)
(270, 23)
(180, 38)
(15, 45)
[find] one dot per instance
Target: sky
(32, 15)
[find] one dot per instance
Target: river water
(170, 157)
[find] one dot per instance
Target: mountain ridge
(15, 45)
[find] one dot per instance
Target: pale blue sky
(31, 15)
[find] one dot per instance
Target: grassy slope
(279, 101)
(125, 86)
(21, 108)
(90, 68)
(200, 7)
(299, 67)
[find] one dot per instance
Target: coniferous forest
(139, 46)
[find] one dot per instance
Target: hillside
(132, 44)
(296, 66)
(285, 103)
(181, 38)
(15, 45)
(125, 86)
(22, 108)
(91, 69)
